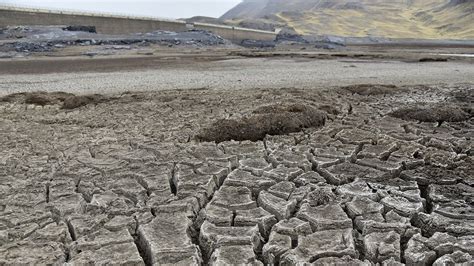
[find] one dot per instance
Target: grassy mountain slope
(429, 19)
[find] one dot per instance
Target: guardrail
(83, 13)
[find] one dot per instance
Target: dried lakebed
(125, 180)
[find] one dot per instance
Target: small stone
(212, 237)
(418, 253)
(282, 189)
(293, 227)
(283, 173)
(166, 239)
(329, 243)
(235, 255)
(255, 183)
(344, 261)
(379, 247)
(309, 178)
(258, 216)
(456, 258)
(234, 198)
(325, 217)
(276, 246)
(279, 207)
(255, 165)
(360, 206)
(217, 215)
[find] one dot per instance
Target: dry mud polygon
(128, 182)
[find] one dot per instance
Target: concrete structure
(116, 24)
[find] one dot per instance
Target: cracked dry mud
(125, 182)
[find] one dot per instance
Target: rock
(344, 173)
(366, 220)
(106, 247)
(212, 237)
(452, 201)
(355, 136)
(346, 260)
(405, 230)
(293, 227)
(117, 254)
(26, 252)
(255, 165)
(219, 216)
(282, 189)
(276, 246)
(244, 149)
(325, 217)
(68, 204)
(442, 243)
(52, 232)
(290, 160)
(456, 258)
(219, 173)
(379, 247)
(234, 198)
(119, 222)
(329, 243)
(358, 188)
(191, 185)
(281, 208)
(283, 173)
(432, 223)
(360, 206)
(418, 253)
(167, 240)
(309, 178)
(392, 262)
(246, 179)
(402, 205)
(389, 166)
(82, 225)
(300, 193)
(258, 216)
(234, 255)
(90, 29)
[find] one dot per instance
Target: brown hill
(428, 19)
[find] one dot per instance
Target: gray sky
(156, 8)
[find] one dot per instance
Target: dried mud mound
(373, 89)
(74, 102)
(265, 120)
(433, 113)
(37, 98)
(67, 100)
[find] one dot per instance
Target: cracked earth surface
(127, 183)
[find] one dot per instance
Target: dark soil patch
(373, 89)
(265, 120)
(38, 98)
(429, 59)
(74, 102)
(434, 113)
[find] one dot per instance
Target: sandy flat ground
(244, 73)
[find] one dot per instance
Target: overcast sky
(156, 8)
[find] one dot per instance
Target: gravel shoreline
(245, 74)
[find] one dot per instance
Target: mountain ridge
(427, 19)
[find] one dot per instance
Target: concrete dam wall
(115, 24)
